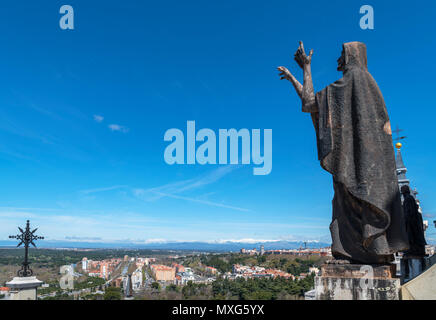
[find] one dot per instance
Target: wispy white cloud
(9, 152)
(51, 142)
(119, 128)
(209, 203)
(113, 126)
(75, 238)
(7, 209)
(11, 126)
(173, 190)
(96, 190)
(178, 187)
(98, 118)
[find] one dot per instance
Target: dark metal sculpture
(26, 237)
(414, 225)
(354, 141)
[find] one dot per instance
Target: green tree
(112, 293)
(261, 259)
(155, 285)
(172, 287)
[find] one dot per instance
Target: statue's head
(341, 61)
(405, 189)
(353, 55)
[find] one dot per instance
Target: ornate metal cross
(26, 237)
(397, 133)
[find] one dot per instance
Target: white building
(314, 270)
(137, 279)
(85, 264)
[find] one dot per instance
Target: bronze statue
(354, 141)
(414, 225)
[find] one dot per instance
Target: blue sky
(144, 67)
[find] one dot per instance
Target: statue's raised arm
(305, 91)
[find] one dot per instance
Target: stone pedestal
(357, 282)
(23, 288)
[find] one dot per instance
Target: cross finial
(397, 133)
(26, 237)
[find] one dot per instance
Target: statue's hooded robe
(355, 146)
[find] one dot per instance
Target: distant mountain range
(193, 246)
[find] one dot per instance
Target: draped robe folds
(355, 145)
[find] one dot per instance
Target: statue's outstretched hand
(284, 73)
(301, 57)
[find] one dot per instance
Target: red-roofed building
(178, 267)
(211, 270)
(163, 273)
(279, 273)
